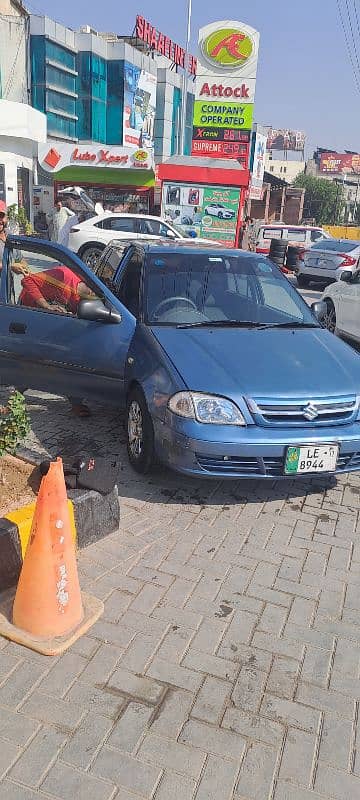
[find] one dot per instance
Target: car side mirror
(319, 310)
(346, 276)
(97, 311)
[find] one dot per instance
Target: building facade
(285, 169)
(97, 87)
(22, 127)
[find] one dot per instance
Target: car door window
(128, 291)
(43, 283)
(126, 224)
(316, 235)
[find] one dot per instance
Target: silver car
(326, 260)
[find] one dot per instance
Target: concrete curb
(92, 517)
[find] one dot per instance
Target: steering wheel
(171, 300)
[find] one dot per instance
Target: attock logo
(227, 47)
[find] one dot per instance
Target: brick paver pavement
(226, 665)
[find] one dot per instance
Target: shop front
(22, 128)
(118, 178)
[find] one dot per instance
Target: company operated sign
(163, 45)
(54, 158)
(223, 115)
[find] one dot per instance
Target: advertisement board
(339, 163)
(225, 82)
(54, 157)
(208, 211)
(139, 106)
(284, 139)
(258, 165)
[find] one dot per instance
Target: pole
(185, 81)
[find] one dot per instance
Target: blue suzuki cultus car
(222, 367)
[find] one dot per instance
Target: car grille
(270, 467)
(303, 413)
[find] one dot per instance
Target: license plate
(311, 458)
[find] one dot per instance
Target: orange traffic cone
(49, 613)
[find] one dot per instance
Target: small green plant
(14, 423)
(18, 216)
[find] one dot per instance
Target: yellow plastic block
(23, 517)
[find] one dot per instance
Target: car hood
(262, 363)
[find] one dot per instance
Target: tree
(323, 199)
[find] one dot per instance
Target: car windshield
(335, 245)
(189, 289)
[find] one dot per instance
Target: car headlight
(206, 408)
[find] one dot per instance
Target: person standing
(59, 226)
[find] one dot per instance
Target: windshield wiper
(290, 325)
(221, 323)
(237, 323)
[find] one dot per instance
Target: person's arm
(33, 297)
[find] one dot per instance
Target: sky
(305, 80)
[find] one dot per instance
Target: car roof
(355, 242)
(293, 227)
(126, 214)
(171, 246)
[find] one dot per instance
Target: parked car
(267, 392)
(327, 260)
(342, 303)
(300, 236)
(219, 210)
(89, 238)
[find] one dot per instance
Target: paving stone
(130, 727)
(211, 700)
(175, 644)
(172, 713)
(108, 703)
(327, 701)
(218, 779)
(298, 757)
(126, 772)
(213, 665)
(19, 684)
(336, 784)
(88, 738)
(174, 675)
(253, 726)
(48, 709)
(38, 757)
(141, 687)
(171, 755)
(58, 681)
(212, 740)
(249, 688)
(67, 783)
(9, 752)
(256, 772)
(290, 713)
(174, 787)
(15, 727)
(12, 791)
(335, 744)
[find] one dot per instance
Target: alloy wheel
(135, 429)
(329, 320)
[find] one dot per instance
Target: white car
(89, 238)
(343, 302)
(219, 210)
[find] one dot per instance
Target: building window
(271, 169)
(92, 91)
(58, 102)
(60, 127)
(60, 80)
(284, 169)
(115, 102)
(59, 54)
(176, 121)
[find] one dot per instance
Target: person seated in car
(59, 290)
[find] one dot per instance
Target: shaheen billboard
(225, 83)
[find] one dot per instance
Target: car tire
(303, 282)
(139, 433)
(220, 215)
(91, 253)
(329, 321)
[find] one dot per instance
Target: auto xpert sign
(226, 78)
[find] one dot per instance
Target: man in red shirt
(59, 290)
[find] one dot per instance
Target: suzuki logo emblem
(310, 411)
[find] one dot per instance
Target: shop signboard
(162, 44)
(285, 139)
(225, 81)
(208, 211)
(139, 106)
(339, 163)
(54, 157)
(258, 163)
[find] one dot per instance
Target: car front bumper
(249, 452)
